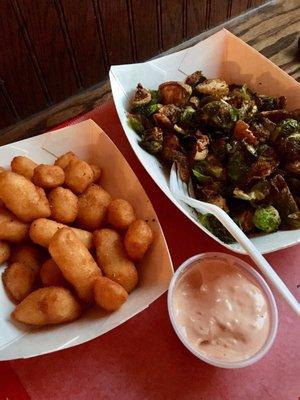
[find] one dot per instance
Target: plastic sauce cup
(252, 273)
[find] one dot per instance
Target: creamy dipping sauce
(221, 310)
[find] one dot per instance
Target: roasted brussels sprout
(261, 128)
(211, 167)
(237, 165)
(187, 116)
(269, 103)
(242, 132)
(283, 200)
(142, 96)
(240, 148)
(293, 167)
(276, 116)
(264, 166)
(258, 192)
(195, 78)
(152, 140)
(172, 151)
(244, 219)
(294, 185)
(135, 121)
(220, 147)
(217, 114)
(215, 227)
(176, 93)
(194, 101)
(294, 220)
(266, 219)
(200, 176)
(167, 116)
(216, 87)
(287, 127)
(289, 147)
(200, 148)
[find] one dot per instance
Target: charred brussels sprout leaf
(294, 220)
(151, 107)
(288, 126)
(258, 192)
(215, 87)
(210, 167)
(152, 140)
(195, 78)
(215, 227)
(244, 219)
(269, 103)
(264, 165)
(283, 199)
(237, 165)
(187, 115)
(200, 176)
(135, 123)
(266, 219)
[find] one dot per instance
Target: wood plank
(7, 116)
(264, 28)
(238, 7)
(115, 22)
(172, 22)
(196, 16)
(145, 26)
(256, 3)
(47, 119)
(85, 42)
(17, 72)
(46, 35)
(218, 11)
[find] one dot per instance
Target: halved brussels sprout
(152, 140)
(216, 87)
(195, 78)
(217, 114)
(200, 148)
(167, 116)
(242, 132)
(258, 192)
(176, 93)
(142, 96)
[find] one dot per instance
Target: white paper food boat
(91, 144)
(221, 55)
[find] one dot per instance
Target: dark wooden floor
(273, 30)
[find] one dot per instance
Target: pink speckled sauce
(221, 311)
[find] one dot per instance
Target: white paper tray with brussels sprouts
(235, 113)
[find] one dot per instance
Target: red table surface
(143, 358)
